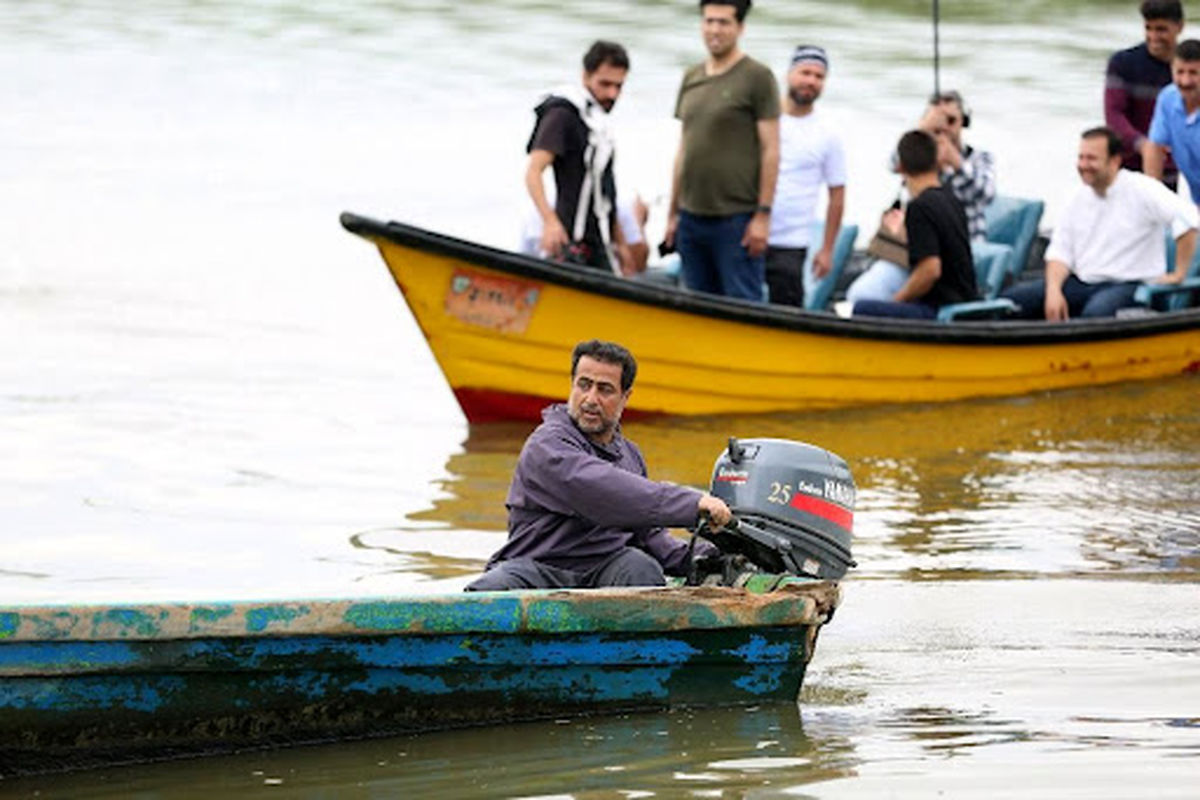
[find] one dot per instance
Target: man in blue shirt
(1176, 123)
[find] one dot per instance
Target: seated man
(968, 172)
(939, 247)
(1109, 239)
(581, 512)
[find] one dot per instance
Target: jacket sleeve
(672, 552)
(561, 476)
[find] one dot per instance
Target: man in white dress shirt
(1109, 239)
(810, 157)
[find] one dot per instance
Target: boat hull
(85, 687)
(502, 326)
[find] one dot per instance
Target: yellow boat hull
(502, 327)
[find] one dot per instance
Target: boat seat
(991, 268)
(1164, 297)
(1014, 221)
(817, 293)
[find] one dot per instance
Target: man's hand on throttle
(718, 513)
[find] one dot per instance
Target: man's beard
(801, 99)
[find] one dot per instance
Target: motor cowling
(793, 505)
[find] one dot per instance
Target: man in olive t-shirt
(727, 163)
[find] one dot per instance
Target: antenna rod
(937, 55)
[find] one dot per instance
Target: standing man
(1135, 77)
(581, 511)
(939, 248)
(572, 134)
(727, 162)
(1109, 239)
(1174, 129)
(810, 155)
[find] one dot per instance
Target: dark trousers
(785, 275)
(1083, 299)
(627, 567)
(889, 308)
(714, 260)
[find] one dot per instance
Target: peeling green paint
(484, 615)
(259, 619)
(201, 618)
(8, 625)
(57, 625)
(129, 622)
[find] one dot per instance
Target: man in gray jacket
(581, 511)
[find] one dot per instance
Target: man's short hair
(1109, 135)
(917, 152)
(602, 52)
(740, 7)
(1170, 10)
(608, 353)
(1188, 50)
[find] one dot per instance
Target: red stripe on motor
(823, 509)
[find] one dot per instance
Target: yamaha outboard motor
(793, 503)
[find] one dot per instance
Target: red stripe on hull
(491, 405)
(825, 510)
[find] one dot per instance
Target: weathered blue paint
(57, 657)
(759, 649)
(89, 693)
(281, 616)
(107, 684)
(761, 681)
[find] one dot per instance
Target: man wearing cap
(810, 155)
(727, 161)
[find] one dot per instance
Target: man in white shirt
(810, 156)
(1109, 239)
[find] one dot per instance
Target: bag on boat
(886, 246)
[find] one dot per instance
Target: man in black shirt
(941, 270)
(572, 135)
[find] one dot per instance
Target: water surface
(209, 391)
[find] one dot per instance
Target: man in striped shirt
(970, 174)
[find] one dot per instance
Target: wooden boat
(502, 326)
(91, 686)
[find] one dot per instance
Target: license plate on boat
(491, 301)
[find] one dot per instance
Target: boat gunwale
(553, 612)
(981, 333)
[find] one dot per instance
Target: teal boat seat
(1165, 297)
(991, 268)
(817, 293)
(1014, 221)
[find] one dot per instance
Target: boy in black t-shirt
(941, 270)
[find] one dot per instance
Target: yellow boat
(502, 325)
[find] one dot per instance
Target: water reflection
(1079, 482)
(719, 752)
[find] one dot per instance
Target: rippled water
(210, 391)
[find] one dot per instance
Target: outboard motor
(793, 504)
